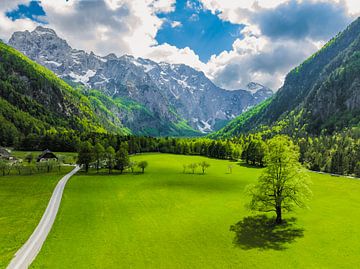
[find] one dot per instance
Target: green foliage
(86, 155)
(99, 154)
(122, 157)
(142, 165)
(204, 165)
(110, 158)
(193, 167)
(284, 184)
(34, 100)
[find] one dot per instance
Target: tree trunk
(278, 215)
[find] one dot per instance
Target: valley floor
(167, 219)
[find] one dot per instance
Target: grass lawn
(23, 200)
(167, 219)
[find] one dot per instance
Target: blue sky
(32, 11)
(196, 28)
(199, 29)
(251, 40)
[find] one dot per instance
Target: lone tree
(86, 155)
(230, 168)
(284, 183)
(204, 165)
(142, 165)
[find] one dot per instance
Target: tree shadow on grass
(261, 232)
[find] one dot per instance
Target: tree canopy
(284, 183)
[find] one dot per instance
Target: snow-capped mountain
(171, 92)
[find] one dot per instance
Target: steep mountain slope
(171, 94)
(33, 100)
(320, 95)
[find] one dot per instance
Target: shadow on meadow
(261, 232)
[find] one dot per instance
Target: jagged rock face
(170, 91)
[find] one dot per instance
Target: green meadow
(167, 219)
(23, 199)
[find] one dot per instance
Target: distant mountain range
(322, 95)
(148, 98)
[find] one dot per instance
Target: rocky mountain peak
(170, 91)
(43, 30)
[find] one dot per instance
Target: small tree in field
(142, 165)
(284, 183)
(193, 167)
(230, 168)
(132, 166)
(204, 165)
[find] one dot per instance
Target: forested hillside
(34, 101)
(322, 95)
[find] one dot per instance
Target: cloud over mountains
(273, 37)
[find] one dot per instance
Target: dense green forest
(34, 100)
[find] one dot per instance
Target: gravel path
(28, 252)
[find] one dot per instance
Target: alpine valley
(145, 97)
(112, 161)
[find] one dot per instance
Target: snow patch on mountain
(84, 79)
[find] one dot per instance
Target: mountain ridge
(320, 95)
(171, 92)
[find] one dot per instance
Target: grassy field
(23, 200)
(167, 219)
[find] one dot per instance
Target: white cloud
(7, 26)
(164, 6)
(231, 10)
(172, 54)
(130, 27)
(175, 24)
(267, 53)
(259, 59)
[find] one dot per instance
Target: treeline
(337, 154)
(71, 141)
